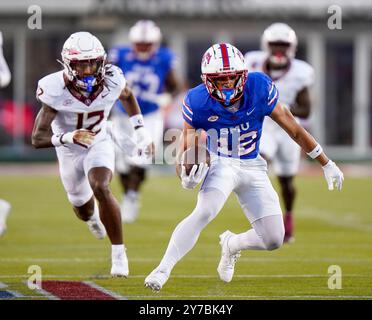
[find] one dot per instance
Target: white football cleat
(129, 209)
(96, 227)
(4, 212)
(226, 266)
(119, 266)
(156, 279)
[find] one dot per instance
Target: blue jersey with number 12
(232, 134)
(145, 77)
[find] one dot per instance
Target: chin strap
(228, 93)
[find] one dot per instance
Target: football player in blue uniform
(149, 70)
(231, 106)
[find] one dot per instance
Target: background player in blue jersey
(231, 108)
(149, 70)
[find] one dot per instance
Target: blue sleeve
(271, 96)
(187, 112)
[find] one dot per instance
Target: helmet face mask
(84, 60)
(224, 73)
(279, 41)
(279, 53)
(87, 73)
(226, 87)
(145, 37)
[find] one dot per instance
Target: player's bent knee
(273, 241)
(207, 216)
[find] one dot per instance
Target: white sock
(187, 232)
(117, 250)
(267, 234)
(246, 240)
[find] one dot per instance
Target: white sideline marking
(15, 293)
(41, 291)
(46, 294)
(104, 290)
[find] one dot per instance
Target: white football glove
(195, 177)
(144, 142)
(81, 137)
(333, 175)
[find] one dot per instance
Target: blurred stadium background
(341, 120)
(341, 117)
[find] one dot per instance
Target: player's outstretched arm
(129, 101)
(173, 87)
(5, 75)
(285, 119)
(42, 132)
(301, 107)
(43, 137)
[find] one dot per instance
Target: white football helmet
(224, 60)
(145, 37)
(279, 33)
(79, 49)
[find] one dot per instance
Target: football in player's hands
(191, 156)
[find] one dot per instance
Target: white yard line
(245, 259)
(104, 290)
(349, 220)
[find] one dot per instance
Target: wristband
(315, 152)
(136, 120)
(57, 139)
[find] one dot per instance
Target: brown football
(193, 155)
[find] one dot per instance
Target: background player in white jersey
(5, 78)
(231, 108)
(293, 78)
(150, 71)
(75, 105)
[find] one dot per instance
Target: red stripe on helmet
(225, 56)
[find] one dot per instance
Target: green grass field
(332, 228)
